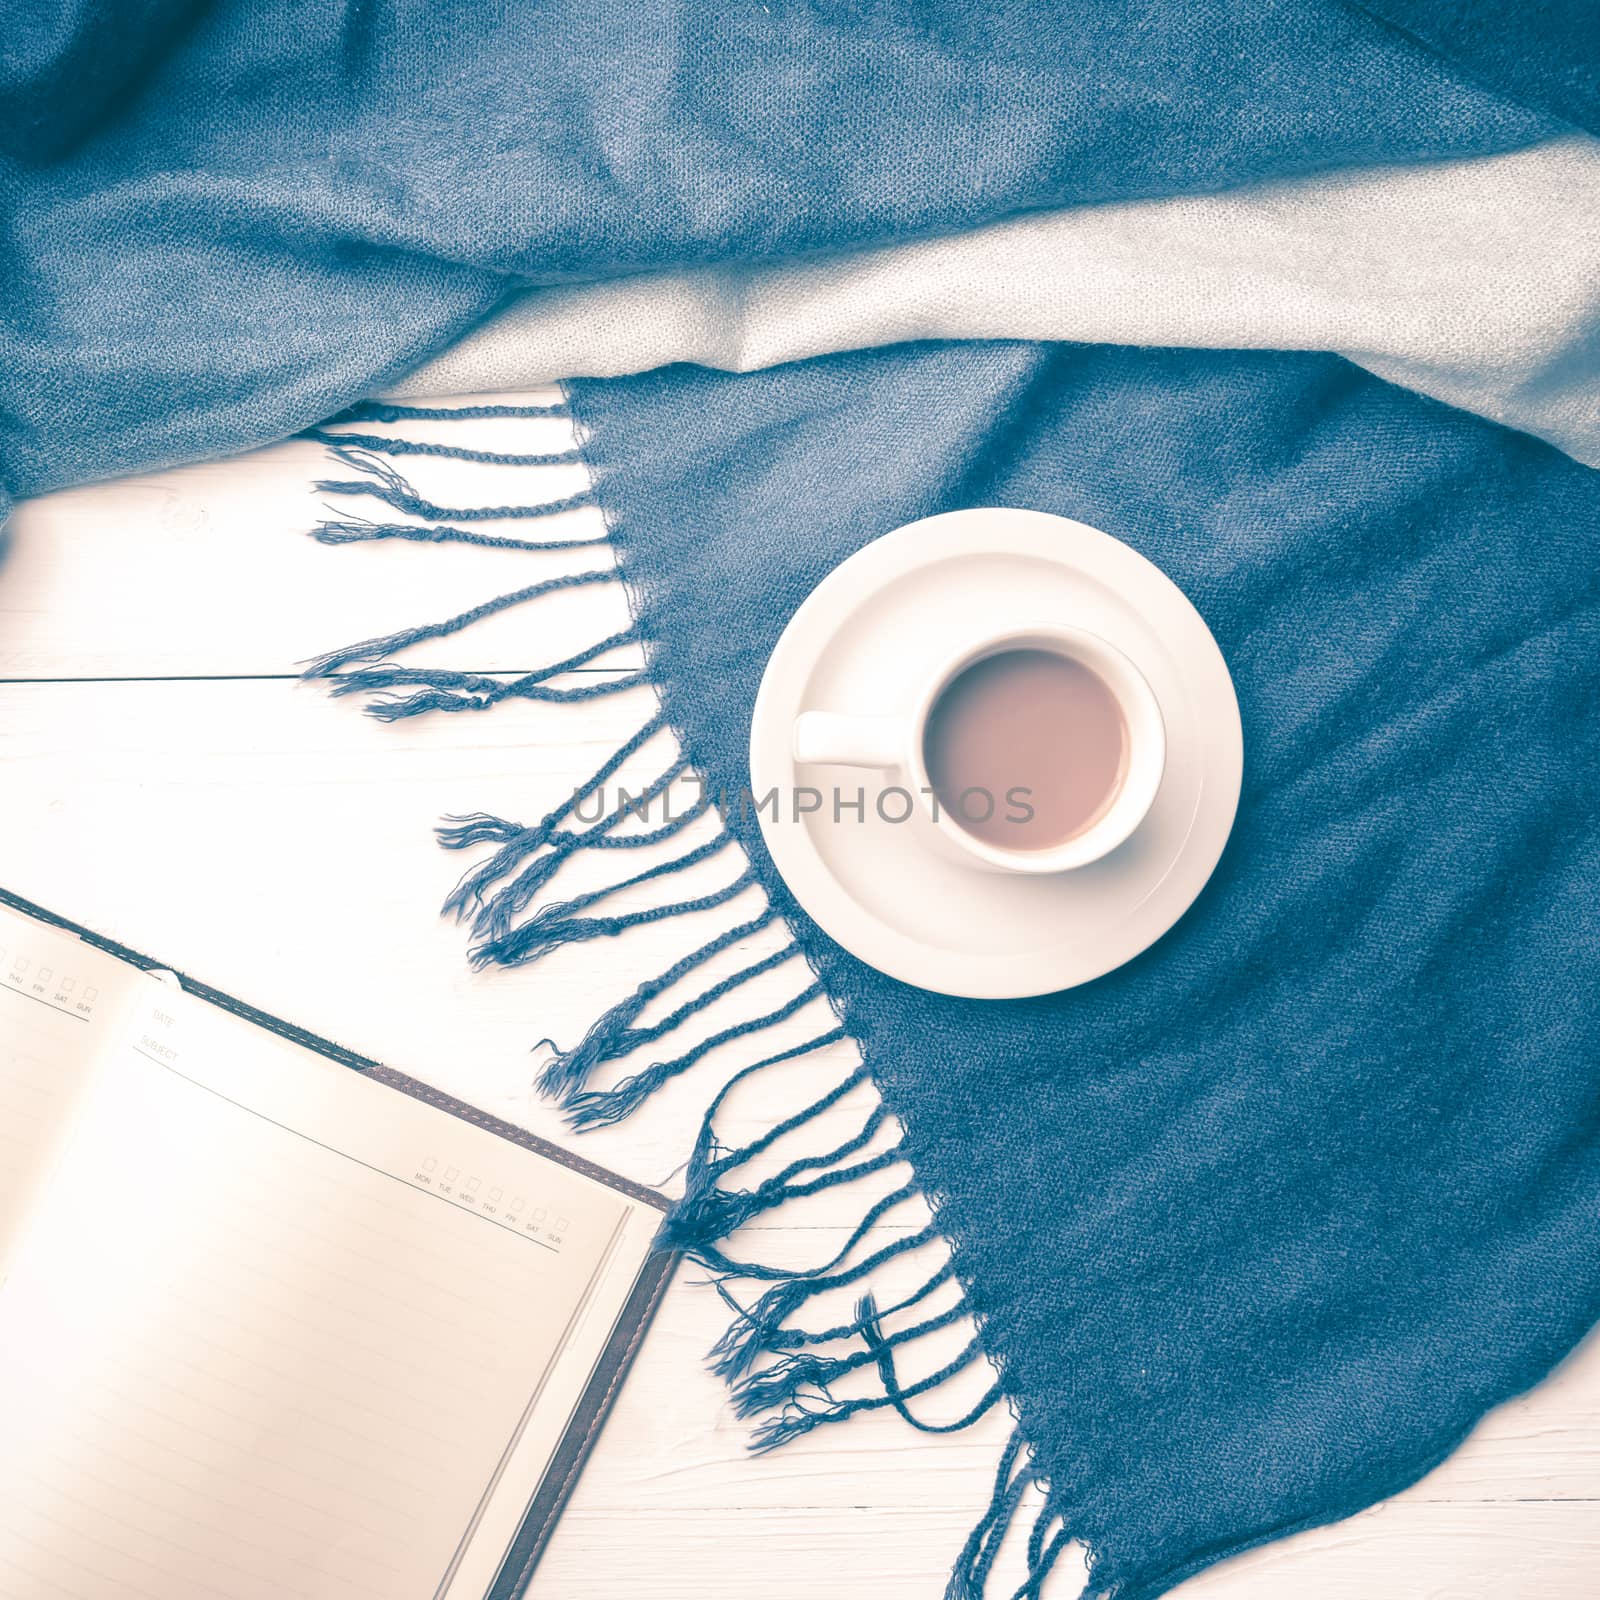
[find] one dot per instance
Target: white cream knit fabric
(1474, 281)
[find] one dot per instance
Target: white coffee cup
(894, 743)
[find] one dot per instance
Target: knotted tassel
(623, 1041)
(465, 830)
(783, 1379)
(711, 1159)
(779, 1383)
(525, 944)
(796, 1418)
(560, 910)
(976, 1562)
(613, 1034)
(518, 842)
(760, 1327)
(390, 674)
(383, 483)
(603, 1107)
(394, 445)
(361, 530)
(977, 1556)
(471, 691)
(383, 411)
(443, 696)
(559, 923)
(882, 1350)
(493, 920)
(1040, 1563)
(447, 695)
(375, 649)
(710, 1256)
(707, 1212)
(783, 1339)
(827, 1158)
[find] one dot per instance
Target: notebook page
(58, 1000)
(482, 1567)
(276, 1328)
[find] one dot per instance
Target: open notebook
(277, 1323)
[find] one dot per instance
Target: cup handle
(833, 738)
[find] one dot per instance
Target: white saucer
(865, 640)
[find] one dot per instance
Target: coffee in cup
(1037, 749)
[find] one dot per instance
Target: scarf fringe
(359, 530)
(517, 843)
(383, 411)
(785, 1377)
(341, 441)
(434, 689)
(375, 650)
(1047, 1537)
(382, 482)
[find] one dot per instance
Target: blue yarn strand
(383, 483)
(383, 411)
(515, 947)
(517, 842)
(394, 445)
(358, 530)
(612, 1034)
(375, 649)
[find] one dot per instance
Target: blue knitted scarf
(1256, 1227)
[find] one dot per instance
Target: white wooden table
(164, 779)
